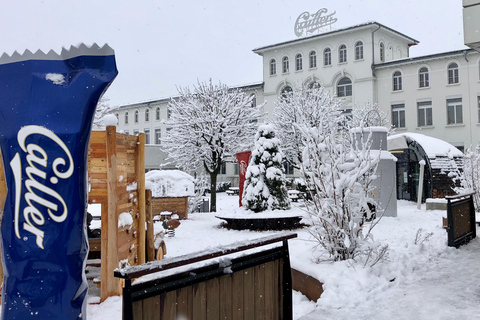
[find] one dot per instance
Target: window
(454, 111)
(344, 87)
(126, 117)
(359, 50)
(288, 167)
(273, 67)
(398, 115)
(424, 113)
(223, 168)
(397, 81)
(147, 136)
(452, 73)
(126, 131)
(236, 169)
(117, 116)
(169, 113)
(135, 117)
(298, 62)
(147, 115)
(158, 135)
(478, 109)
(314, 85)
(135, 132)
(157, 113)
(342, 54)
(285, 65)
(382, 52)
(313, 59)
(423, 78)
(286, 92)
(327, 57)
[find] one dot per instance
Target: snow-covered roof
(433, 147)
(170, 183)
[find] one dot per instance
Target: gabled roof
(435, 56)
(334, 32)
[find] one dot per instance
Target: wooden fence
(116, 172)
(253, 286)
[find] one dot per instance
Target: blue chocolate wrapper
(47, 105)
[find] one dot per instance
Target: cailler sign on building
(308, 23)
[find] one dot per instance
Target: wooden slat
(110, 221)
(138, 307)
(237, 295)
(226, 297)
(249, 294)
(259, 291)
(151, 308)
(270, 298)
(150, 227)
(169, 310)
(199, 303)
(184, 302)
(213, 297)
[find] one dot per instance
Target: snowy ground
(423, 280)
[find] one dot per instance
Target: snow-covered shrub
(265, 183)
(470, 176)
(223, 186)
(340, 174)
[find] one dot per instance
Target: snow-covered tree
(265, 183)
(340, 173)
(469, 176)
(313, 107)
(368, 115)
(206, 126)
(103, 109)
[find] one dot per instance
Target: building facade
(437, 95)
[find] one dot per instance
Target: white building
(437, 95)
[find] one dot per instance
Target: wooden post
(109, 286)
(150, 231)
(141, 197)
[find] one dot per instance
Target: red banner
(242, 158)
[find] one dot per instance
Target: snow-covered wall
(170, 183)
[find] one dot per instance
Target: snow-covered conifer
(265, 184)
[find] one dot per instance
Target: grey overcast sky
(160, 45)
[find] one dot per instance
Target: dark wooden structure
(461, 219)
(253, 286)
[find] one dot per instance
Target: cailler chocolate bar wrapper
(47, 106)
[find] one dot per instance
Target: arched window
(344, 87)
(313, 59)
(314, 85)
(157, 113)
(285, 65)
(342, 54)
(397, 81)
(273, 67)
(359, 50)
(423, 78)
(382, 52)
(298, 62)
(126, 117)
(135, 117)
(327, 57)
(147, 115)
(286, 92)
(452, 73)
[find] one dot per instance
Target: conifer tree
(265, 185)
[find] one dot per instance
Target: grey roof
(325, 34)
(423, 58)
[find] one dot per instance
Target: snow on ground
(422, 279)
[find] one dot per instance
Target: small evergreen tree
(265, 184)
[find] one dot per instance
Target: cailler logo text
(310, 23)
(37, 161)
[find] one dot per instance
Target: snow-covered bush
(340, 173)
(313, 107)
(265, 183)
(470, 176)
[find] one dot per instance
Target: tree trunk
(213, 191)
